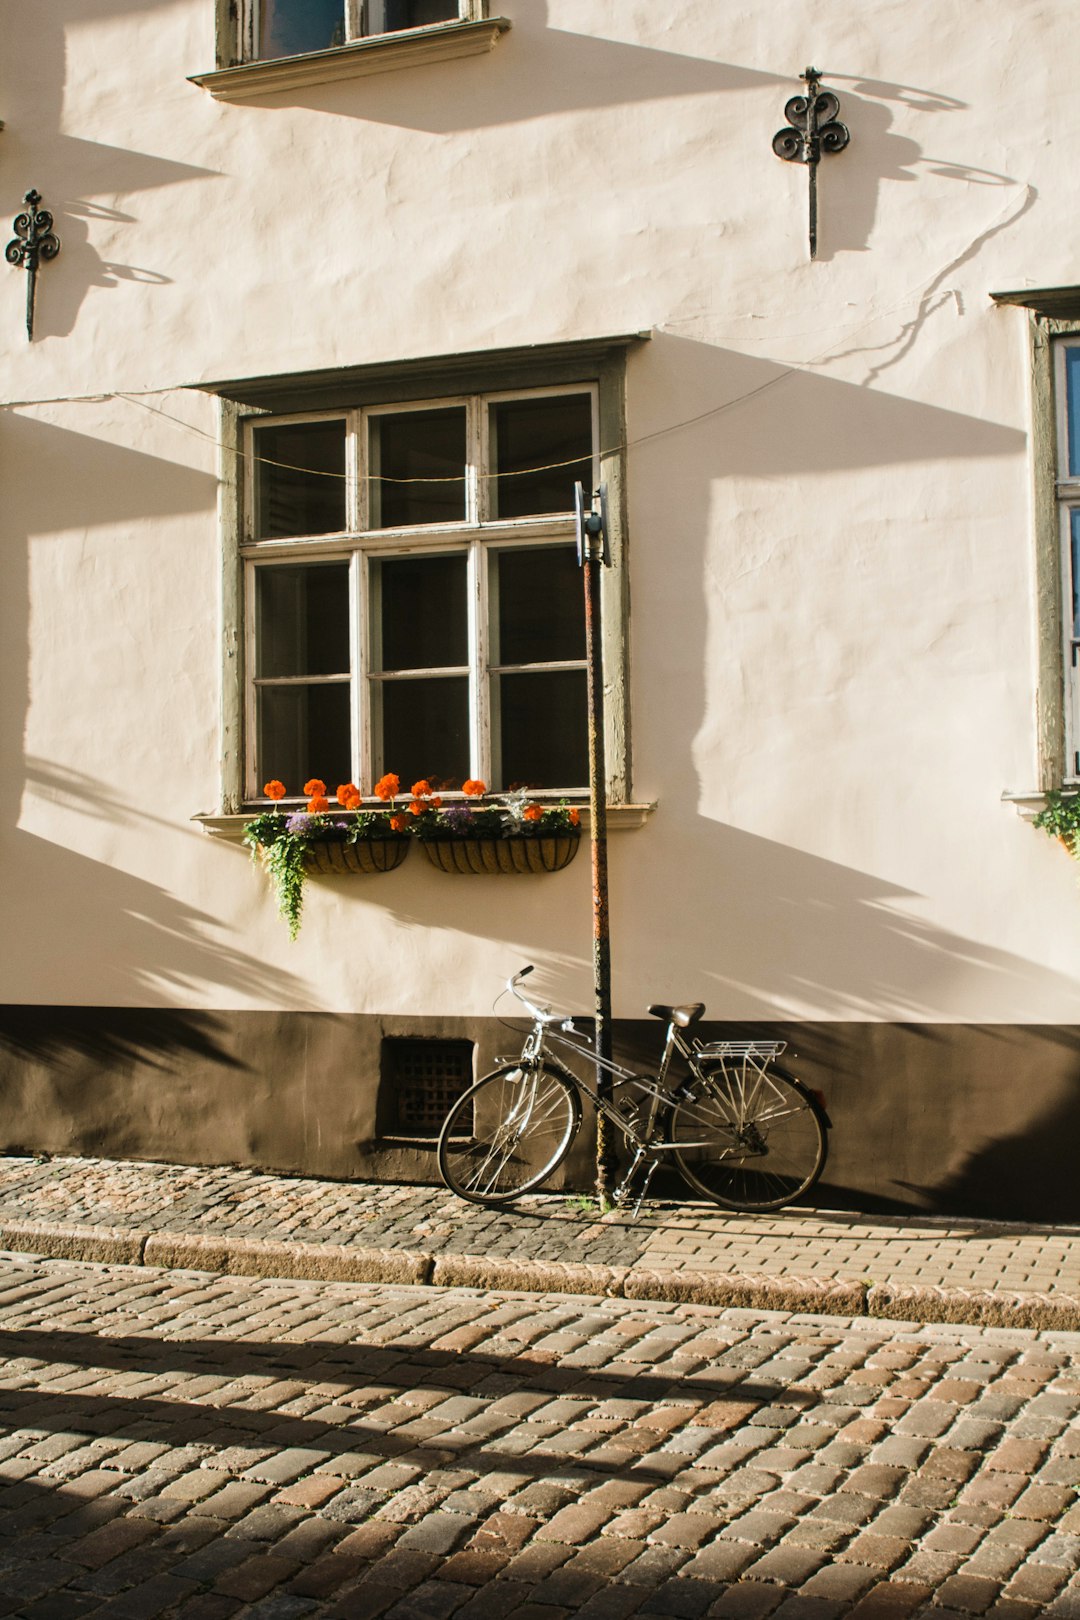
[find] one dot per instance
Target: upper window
(1067, 394)
(270, 46)
(413, 598)
(275, 28)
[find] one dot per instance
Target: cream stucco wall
(832, 630)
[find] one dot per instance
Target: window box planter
(366, 855)
(544, 852)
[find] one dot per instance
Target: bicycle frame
(636, 1127)
(537, 1049)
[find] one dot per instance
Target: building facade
(347, 297)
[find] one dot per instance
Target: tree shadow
(535, 72)
(68, 170)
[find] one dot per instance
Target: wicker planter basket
(366, 855)
(547, 853)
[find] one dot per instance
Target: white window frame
(247, 21)
(478, 535)
(1067, 493)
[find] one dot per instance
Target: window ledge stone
(382, 53)
(620, 818)
(1028, 804)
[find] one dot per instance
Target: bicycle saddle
(683, 1016)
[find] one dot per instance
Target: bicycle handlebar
(543, 1015)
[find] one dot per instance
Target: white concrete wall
(833, 627)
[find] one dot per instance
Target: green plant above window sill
(1055, 812)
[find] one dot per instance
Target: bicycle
(739, 1129)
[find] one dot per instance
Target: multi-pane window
(276, 28)
(1068, 494)
(414, 602)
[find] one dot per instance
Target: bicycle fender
(804, 1091)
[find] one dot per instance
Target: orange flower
(398, 824)
(435, 804)
(533, 812)
(417, 807)
(345, 792)
(317, 804)
(387, 786)
(575, 818)
(421, 789)
(352, 801)
(315, 789)
(274, 789)
(473, 788)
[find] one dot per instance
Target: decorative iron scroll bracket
(813, 130)
(35, 242)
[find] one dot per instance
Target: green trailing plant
(285, 842)
(1060, 819)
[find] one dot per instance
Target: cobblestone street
(201, 1446)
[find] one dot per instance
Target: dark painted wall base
(952, 1119)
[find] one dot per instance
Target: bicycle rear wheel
(749, 1137)
(507, 1134)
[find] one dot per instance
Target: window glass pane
(425, 729)
(423, 611)
(1072, 399)
(300, 479)
(418, 445)
(1074, 518)
(289, 27)
(528, 433)
(302, 620)
(539, 605)
(303, 731)
(386, 16)
(542, 728)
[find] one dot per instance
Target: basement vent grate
(422, 1079)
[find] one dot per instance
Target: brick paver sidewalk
(247, 1223)
(181, 1446)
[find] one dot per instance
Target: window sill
(383, 53)
(620, 818)
(1028, 805)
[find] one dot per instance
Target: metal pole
(592, 552)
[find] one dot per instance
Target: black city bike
(739, 1129)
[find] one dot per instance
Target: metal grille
(423, 1079)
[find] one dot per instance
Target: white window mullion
(356, 683)
(479, 698)
(362, 653)
(252, 789)
(475, 493)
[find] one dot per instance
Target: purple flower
(459, 818)
(299, 823)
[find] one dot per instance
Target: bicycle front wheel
(507, 1134)
(749, 1137)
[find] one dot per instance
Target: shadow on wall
(125, 941)
(850, 182)
(68, 171)
(534, 72)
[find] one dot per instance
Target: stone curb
(106, 1245)
(333, 1262)
(982, 1307)
(527, 1276)
(751, 1291)
(270, 1257)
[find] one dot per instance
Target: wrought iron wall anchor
(34, 242)
(813, 129)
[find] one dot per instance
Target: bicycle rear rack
(739, 1049)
